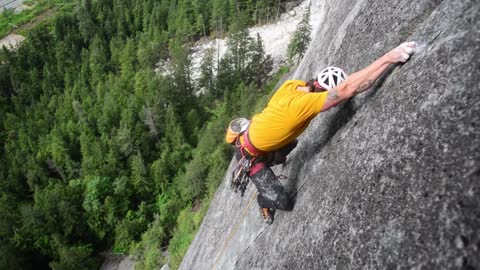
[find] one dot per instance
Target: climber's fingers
(403, 52)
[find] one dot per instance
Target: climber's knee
(284, 202)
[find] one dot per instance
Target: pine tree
(301, 38)
(219, 16)
(128, 60)
(206, 82)
(238, 42)
(98, 59)
(96, 190)
(260, 64)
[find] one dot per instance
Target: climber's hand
(401, 53)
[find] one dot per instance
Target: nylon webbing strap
(249, 146)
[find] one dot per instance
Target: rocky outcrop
(15, 5)
(11, 42)
(120, 262)
(390, 179)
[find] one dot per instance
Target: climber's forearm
(365, 78)
(356, 83)
(362, 80)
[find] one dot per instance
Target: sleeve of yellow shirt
(309, 105)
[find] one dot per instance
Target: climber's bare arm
(365, 78)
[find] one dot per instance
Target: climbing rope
(278, 216)
(225, 244)
(249, 245)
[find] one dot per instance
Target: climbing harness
(248, 164)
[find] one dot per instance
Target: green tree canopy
(301, 38)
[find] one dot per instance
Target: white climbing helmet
(331, 77)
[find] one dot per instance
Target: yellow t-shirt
(286, 116)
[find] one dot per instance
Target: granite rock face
(388, 180)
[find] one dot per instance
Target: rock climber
(271, 135)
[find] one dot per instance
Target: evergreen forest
(100, 153)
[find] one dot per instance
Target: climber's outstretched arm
(365, 78)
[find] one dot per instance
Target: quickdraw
(241, 173)
(240, 176)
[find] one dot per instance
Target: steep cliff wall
(390, 179)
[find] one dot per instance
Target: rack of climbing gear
(240, 175)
